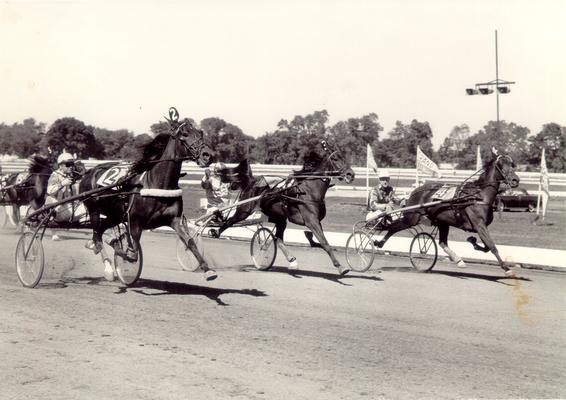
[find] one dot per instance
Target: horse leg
(184, 234)
(312, 243)
(280, 226)
(408, 220)
(314, 225)
(484, 235)
(477, 246)
(443, 242)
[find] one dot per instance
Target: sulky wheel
(423, 252)
(186, 257)
(263, 249)
(128, 270)
(360, 251)
(30, 259)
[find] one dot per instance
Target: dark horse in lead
(471, 210)
(150, 196)
(301, 201)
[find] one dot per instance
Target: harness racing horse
(299, 200)
(29, 188)
(471, 209)
(150, 196)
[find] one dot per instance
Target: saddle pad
(445, 192)
(273, 181)
(21, 177)
(112, 175)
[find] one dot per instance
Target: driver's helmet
(217, 167)
(384, 175)
(64, 158)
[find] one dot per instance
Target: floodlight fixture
(471, 92)
(503, 89)
(485, 90)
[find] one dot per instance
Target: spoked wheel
(128, 270)
(360, 251)
(423, 252)
(263, 249)
(186, 257)
(30, 259)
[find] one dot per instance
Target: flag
(479, 164)
(426, 164)
(544, 182)
(371, 160)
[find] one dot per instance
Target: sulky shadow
(184, 289)
(300, 273)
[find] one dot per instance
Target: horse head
(505, 167)
(191, 138)
(337, 163)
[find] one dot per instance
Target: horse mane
(39, 164)
(150, 152)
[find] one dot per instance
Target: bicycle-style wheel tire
(128, 272)
(29, 267)
(360, 251)
(423, 252)
(185, 256)
(263, 249)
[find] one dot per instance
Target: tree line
(291, 140)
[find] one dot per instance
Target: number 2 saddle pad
(113, 175)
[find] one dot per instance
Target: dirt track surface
(275, 335)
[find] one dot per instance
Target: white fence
(557, 181)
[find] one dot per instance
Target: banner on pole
(426, 164)
(544, 182)
(371, 159)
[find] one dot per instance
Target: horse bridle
(194, 148)
(506, 178)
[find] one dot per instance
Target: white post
(539, 194)
(367, 184)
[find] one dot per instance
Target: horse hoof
(461, 264)
(108, 271)
(210, 275)
(343, 270)
(510, 273)
(293, 264)
(90, 245)
(213, 233)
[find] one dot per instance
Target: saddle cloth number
(446, 192)
(111, 176)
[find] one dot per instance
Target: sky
(122, 64)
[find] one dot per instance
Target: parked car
(516, 198)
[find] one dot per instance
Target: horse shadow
(489, 278)
(167, 288)
(300, 273)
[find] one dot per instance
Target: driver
(382, 197)
(217, 192)
(60, 186)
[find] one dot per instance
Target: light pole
(501, 86)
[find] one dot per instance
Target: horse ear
(494, 151)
